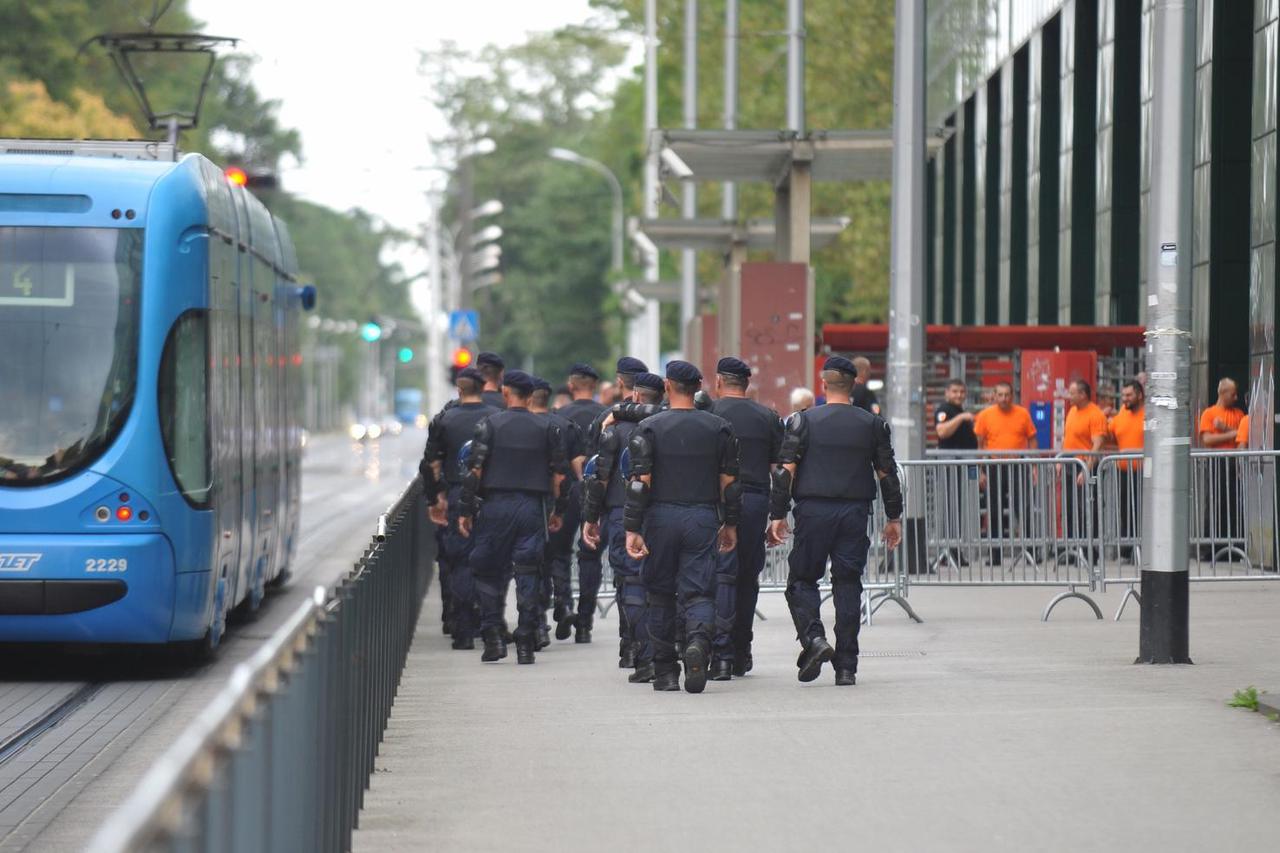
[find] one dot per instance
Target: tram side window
(184, 406)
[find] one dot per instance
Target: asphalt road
(79, 727)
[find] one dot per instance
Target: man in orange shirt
(1085, 429)
(1128, 428)
(1242, 434)
(1219, 429)
(1003, 426)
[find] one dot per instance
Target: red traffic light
(462, 357)
(237, 176)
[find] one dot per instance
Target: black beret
(490, 359)
(683, 372)
(518, 381)
(540, 384)
(649, 380)
(731, 366)
(840, 363)
(471, 373)
(583, 369)
(628, 365)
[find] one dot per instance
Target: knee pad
(726, 579)
(528, 569)
(632, 592)
(659, 599)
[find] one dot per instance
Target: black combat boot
(666, 677)
(815, 654)
(544, 637)
(721, 670)
(742, 662)
(581, 632)
(524, 650)
(494, 646)
(642, 675)
(846, 678)
(464, 644)
(626, 655)
(565, 620)
(696, 659)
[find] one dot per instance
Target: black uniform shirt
(759, 433)
(494, 398)
(864, 398)
(582, 413)
(453, 427)
(963, 438)
(524, 451)
(691, 449)
(838, 449)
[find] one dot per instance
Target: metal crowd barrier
(1004, 520)
(279, 760)
(1233, 521)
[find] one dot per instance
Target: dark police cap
(583, 369)
(683, 372)
(471, 373)
(518, 381)
(841, 364)
(652, 381)
(731, 366)
(540, 384)
(490, 359)
(628, 365)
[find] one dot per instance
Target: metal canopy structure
(767, 156)
(721, 235)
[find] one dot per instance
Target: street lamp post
(567, 156)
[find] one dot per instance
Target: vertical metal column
(729, 201)
(435, 298)
(904, 360)
(643, 334)
(462, 248)
(689, 205)
(795, 66)
(1163, 636)
(792, 200)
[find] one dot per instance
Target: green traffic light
(371, 332)
(406, 355)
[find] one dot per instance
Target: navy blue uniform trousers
(837, 530)
(681, 566)
(738, 578)
(455, 551)
(560, 549)
(627, 582)
(510, 533)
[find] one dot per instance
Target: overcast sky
(347, 78)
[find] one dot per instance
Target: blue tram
(150, 400)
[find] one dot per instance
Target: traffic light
(405, 355)
(237, 176)
(371, 331)
(255, 181)
(462, 357)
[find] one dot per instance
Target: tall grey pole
(729, 199)
(435, 299)
(1166, 470)
(795, 66)
(643, 333)
(689, 205)
(466, 201)
(904, 359)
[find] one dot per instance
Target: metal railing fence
(280, 758)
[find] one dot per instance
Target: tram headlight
(357, 432)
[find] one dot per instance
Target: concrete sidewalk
(981, 729)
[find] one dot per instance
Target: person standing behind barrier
(759, 432)
(603, 497)
(863, 396)
(582, 411)
(830, 459)
(491, 365)
(1219, 430)
(441, 474)
(1242, 433)
(1128, 428)
(539, 404)
(684, 474)
(1085, 429)
(954, 426)
(516, 462)
(1004, 426)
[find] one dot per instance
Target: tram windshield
(68, 346)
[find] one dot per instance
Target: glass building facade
(1038, 198)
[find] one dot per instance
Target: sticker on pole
(464, 325)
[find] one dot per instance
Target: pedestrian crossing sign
(464, 325)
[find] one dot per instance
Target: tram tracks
(15, 743)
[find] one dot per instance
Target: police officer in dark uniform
(539, 404)
(516, 462)
(582, 411)
(831, 456)
(441, 475)
(863, 396)
(683, 499)
(759, 433)
(603, 496)
(491, 365)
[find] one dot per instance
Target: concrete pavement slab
(981, 729)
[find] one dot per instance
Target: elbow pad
(733, 504)
(891, 494)
(637, 502)
(469, 502)
(780, 493)
(592, 499)
(634, 412)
